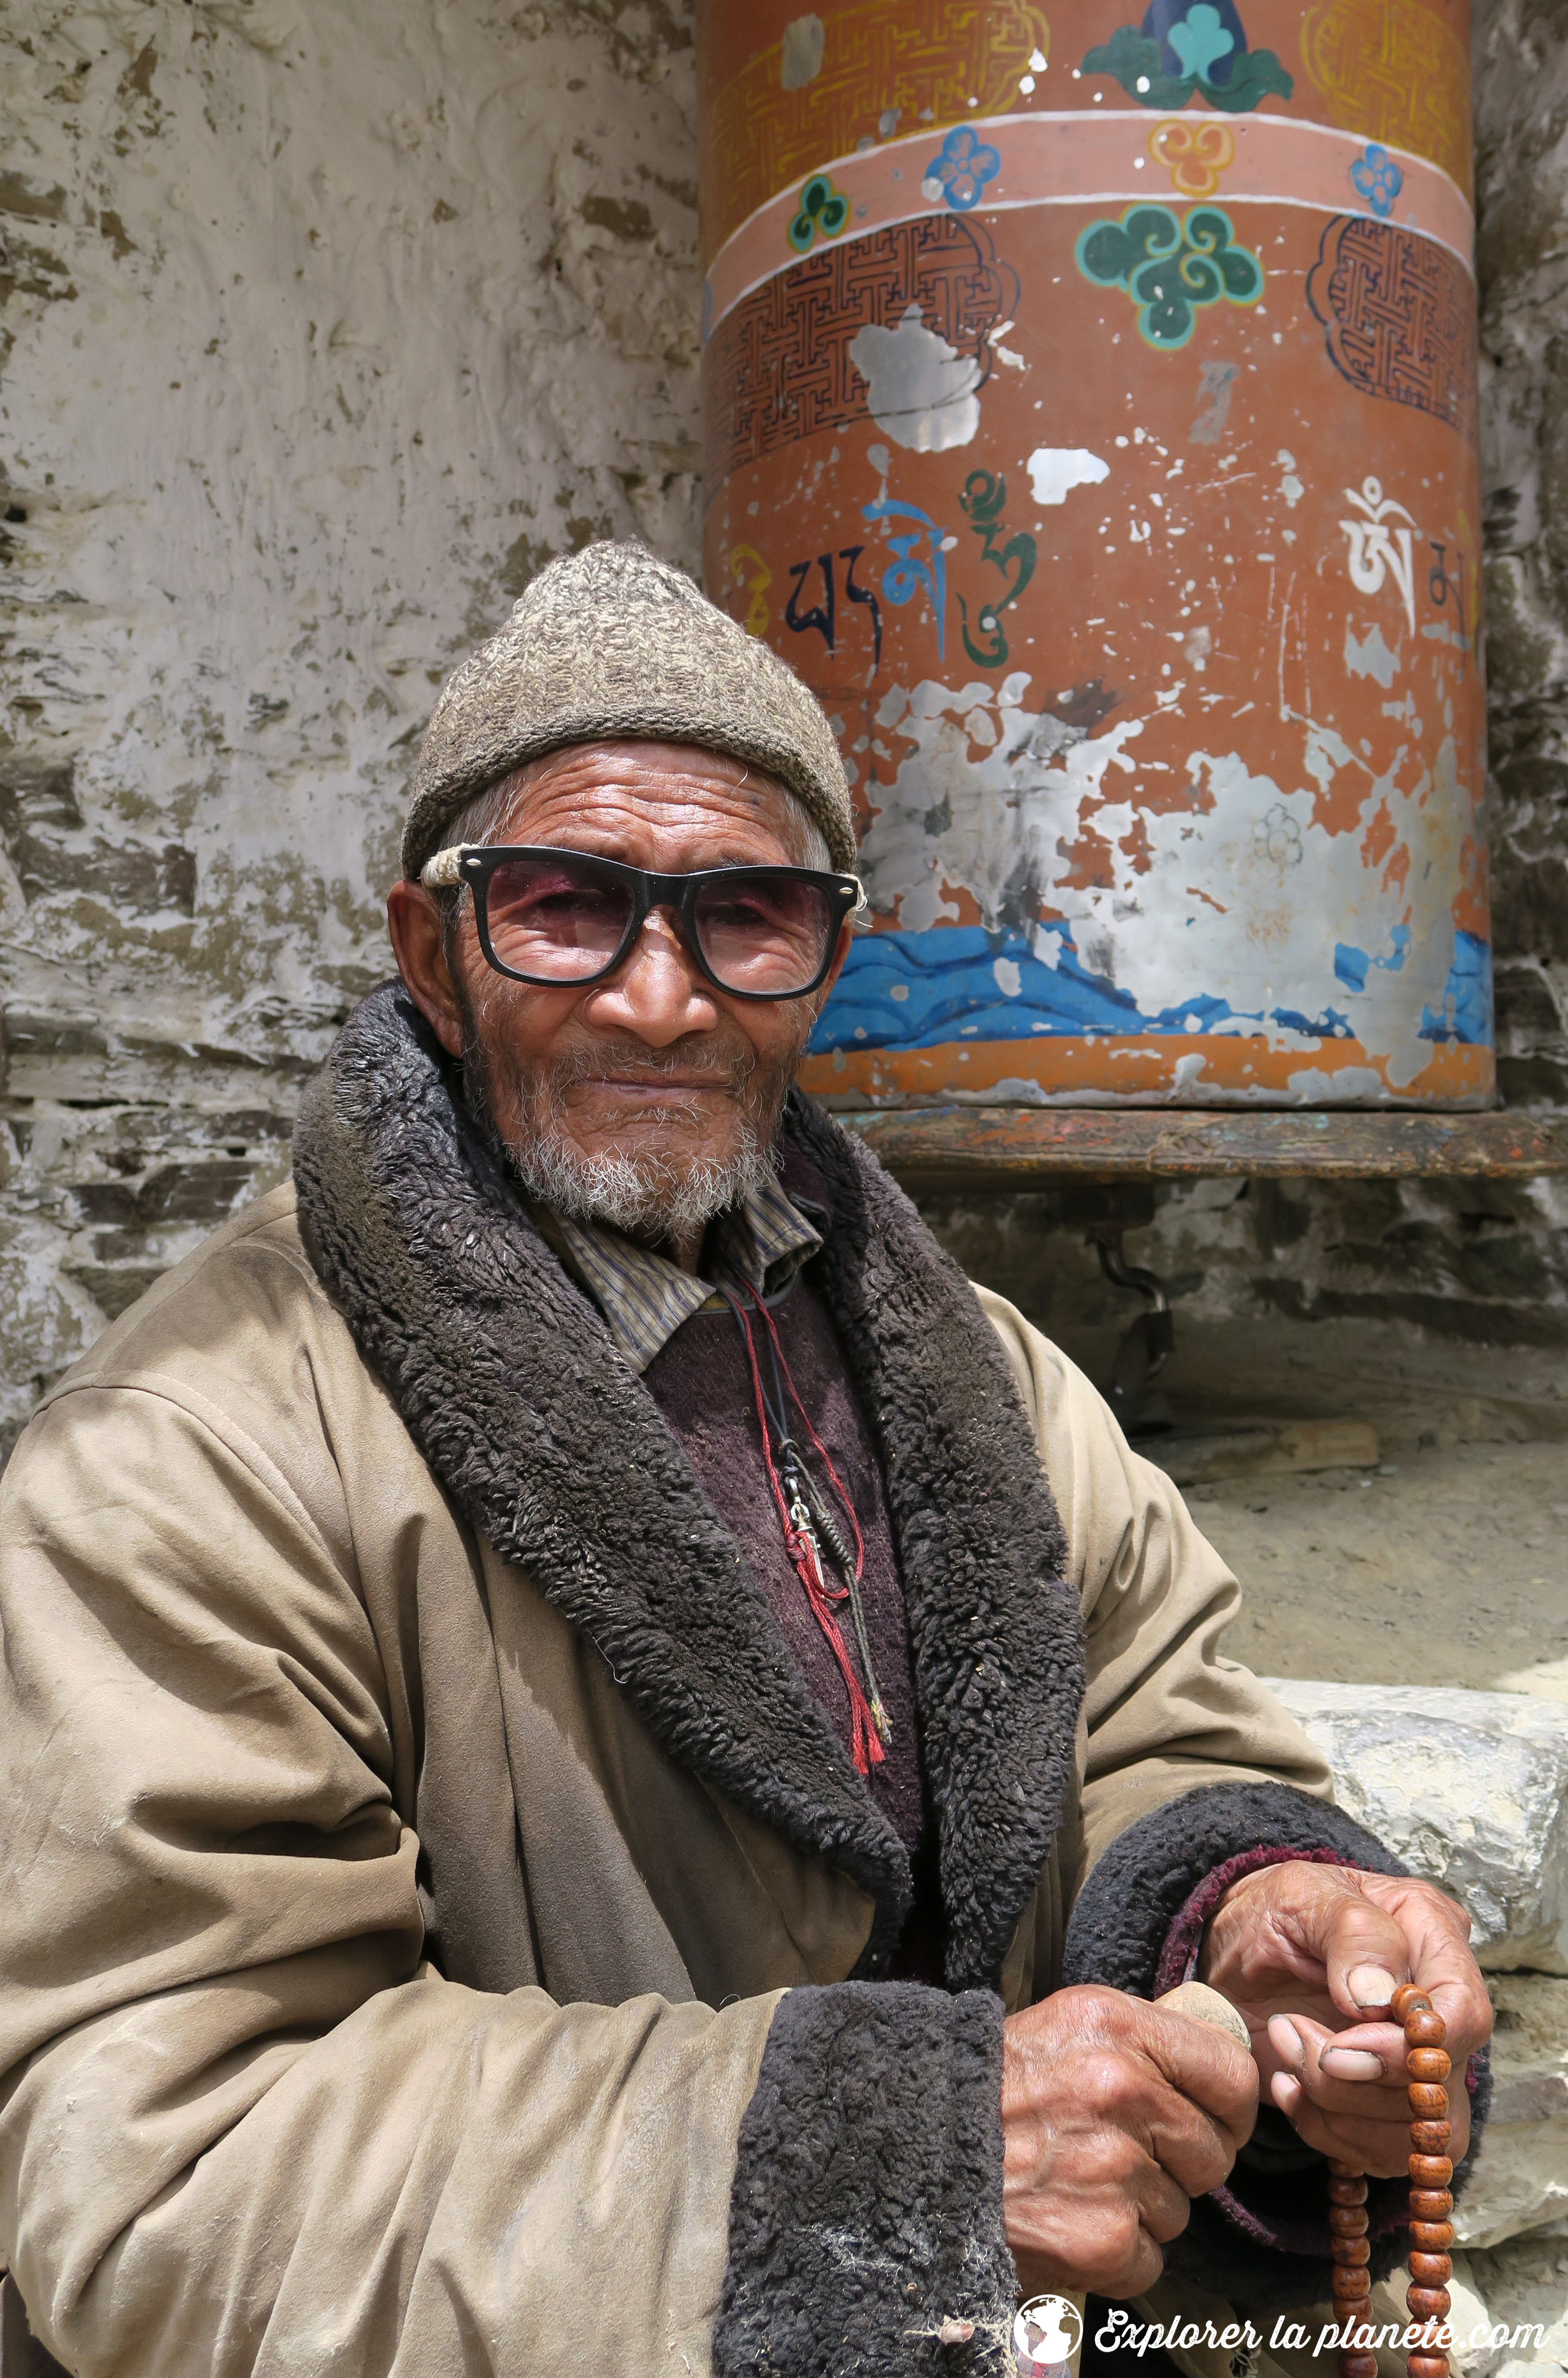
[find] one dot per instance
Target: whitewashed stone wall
(323, 323)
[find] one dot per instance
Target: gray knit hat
(612, 643)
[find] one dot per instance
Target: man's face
(650, 1097)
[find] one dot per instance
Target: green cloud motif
(1137, 62)
(1170, 267)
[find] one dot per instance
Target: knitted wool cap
(612, 643)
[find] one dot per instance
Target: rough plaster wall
(322, 324)
(1522, 130)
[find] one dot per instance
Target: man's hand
(1310, 1955)
(1114, 2116)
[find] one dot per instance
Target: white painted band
(1104, 159)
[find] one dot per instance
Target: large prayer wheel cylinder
(1090, 404)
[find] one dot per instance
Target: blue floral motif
(1378, 179)
(961, 168)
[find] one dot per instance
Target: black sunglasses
(552, 917)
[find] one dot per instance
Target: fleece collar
(510, 1385)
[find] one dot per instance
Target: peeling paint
(1054, 470)
(922, 392)
(1367, 655)
(800, 53)
(1238, 906)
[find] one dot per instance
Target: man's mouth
(656, 1087)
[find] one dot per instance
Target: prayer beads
(1431, 2231)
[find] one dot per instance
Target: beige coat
(246, 2123)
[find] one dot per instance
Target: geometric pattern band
(777, 368)
(1400, 315)
(1395, 72)
(886, 65)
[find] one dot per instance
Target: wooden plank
(1193, 1456)
(1005, 1148)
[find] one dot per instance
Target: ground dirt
(1447, 1566)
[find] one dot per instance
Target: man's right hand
(1114, 2117)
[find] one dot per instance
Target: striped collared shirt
(645, 1298)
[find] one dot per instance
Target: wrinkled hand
(1114, 2117)
(1310, 1955)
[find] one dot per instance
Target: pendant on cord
(812, 1512)
(809, 1522)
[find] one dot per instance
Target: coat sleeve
(243, 2127)
(1166, 1712)
(1192, 1772)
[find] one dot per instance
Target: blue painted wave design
(920, 990)
(1466, 1014)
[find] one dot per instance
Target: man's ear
(820, 996)
(413, 921)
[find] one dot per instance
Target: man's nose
(656, 991)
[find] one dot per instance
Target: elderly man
(603, 1757)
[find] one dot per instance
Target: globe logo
(1046, 2333)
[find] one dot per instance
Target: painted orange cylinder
(1090, 418)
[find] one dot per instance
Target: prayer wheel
(1090, 418)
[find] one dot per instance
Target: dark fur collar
(512, 1387)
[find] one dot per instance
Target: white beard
(649, 1196)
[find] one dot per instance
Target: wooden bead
(1348, 2220)
(1407, 1997)
(1346, 2171)
(1354, 2251)
(1346, 2191)
(1429, 2270)
(1428, 2099)
(1431, 2170)
(1428, 2064)
(1431, 2203)
(1429, 2138)
(1431, 2237)
(1357, 2365)
(1427, 2030)
(1427, 2365)
(1427, 2303)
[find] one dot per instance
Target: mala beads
(1431, 2232)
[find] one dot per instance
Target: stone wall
(320, 329)
(1522, 133)
(323, 326)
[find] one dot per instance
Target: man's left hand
(1310, 1956)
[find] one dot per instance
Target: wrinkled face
(648, 1100)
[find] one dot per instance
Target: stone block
(1509, 2315)
(1523, 2287)
(1521, 2178)
(1471, 1790)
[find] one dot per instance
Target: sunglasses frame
(474, 864)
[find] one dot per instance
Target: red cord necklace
(810, 1523)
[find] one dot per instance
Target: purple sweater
(701, 1383)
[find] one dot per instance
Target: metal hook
(1148, 1345)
